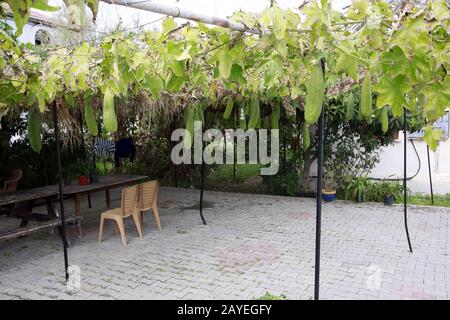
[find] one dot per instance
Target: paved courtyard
(252, 244)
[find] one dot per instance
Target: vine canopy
(397, 55)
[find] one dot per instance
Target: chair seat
(112, 213)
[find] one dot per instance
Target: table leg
(78, 214)
(108, 199)
(52, 212)
(89, 200)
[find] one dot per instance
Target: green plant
(387, 188)
(269, 296)
(357, 189)
(329, 182)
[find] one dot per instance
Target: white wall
(391, 162)
(29, 31)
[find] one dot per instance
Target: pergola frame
(186, 14)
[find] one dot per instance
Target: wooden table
(106, 183)
(20, 205)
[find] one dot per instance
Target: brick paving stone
(252, 244)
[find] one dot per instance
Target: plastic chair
(148, 192)
(11, 184)
(128, 208)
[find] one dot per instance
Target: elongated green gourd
(365, 104)
(275, 118)
(109, 114)
(34, 126)
(384, 119)
(350, 107)
(315, 96)
(89, 116)
(254, 114)
(306, 137)
(189, 127)
(228, 109)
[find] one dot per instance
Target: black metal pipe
(61, 190)
(202, 171)
(283, 125)
(234, 145)
(405, 191)
(429, 174)
(319, 194)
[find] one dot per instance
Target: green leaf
(89, 116)
(440, 9)
(432, 136)
(175, 83)
(34, 127)
(93, 5)
(168, 25)
(109, 113)
(392, 92)
(178, 67)
(155, 84)
(279, 23)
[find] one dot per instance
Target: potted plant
(329, 190)
(390, 191)
(80, 169)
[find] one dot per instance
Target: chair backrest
(148, 192)
(11, 184)
(129, 197)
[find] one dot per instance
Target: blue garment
(124, 149)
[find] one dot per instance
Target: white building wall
(391, 163)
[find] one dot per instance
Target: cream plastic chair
(148, 192)
(128, 208)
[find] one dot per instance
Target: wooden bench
(11, 234)
(20, 205)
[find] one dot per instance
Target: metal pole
(283, 124)
(61, 193)
(429, 174)
(182, 13)
(202, 172)
(319, 194)
(234, 146)
(405, 192)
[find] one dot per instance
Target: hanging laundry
(104, 149)
(124, 149)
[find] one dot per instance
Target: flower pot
(388, 200)
(328, 194)
(83, 180)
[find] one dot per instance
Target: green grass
(425, 200)
(224, 173)
(269, 296)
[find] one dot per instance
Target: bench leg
(78, 214)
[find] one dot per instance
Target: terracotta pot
(83, 180)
